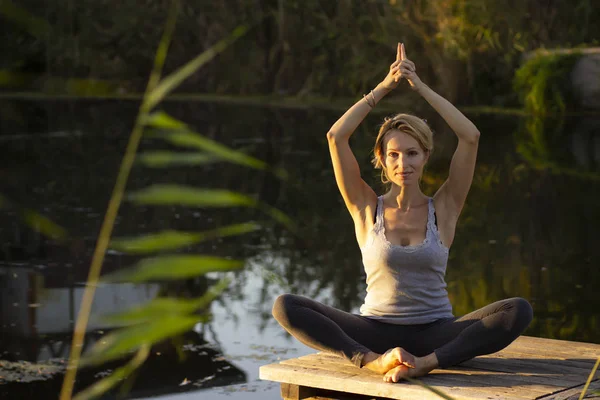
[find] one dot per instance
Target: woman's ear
(379, 157)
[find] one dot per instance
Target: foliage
(542, 83)
(35, 220)
(162, 318)
(305, 48)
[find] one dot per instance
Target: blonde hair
(413, 126)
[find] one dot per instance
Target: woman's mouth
(404, 175)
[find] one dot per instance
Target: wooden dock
(530, 368)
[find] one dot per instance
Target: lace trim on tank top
(431, 230)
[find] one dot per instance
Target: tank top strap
(431, 216)
(379, 218)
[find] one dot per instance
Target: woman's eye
(412, 153)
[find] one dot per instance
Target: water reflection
(38, 317)
(528, 229)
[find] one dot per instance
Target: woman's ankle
(368, 358)
(428, 362)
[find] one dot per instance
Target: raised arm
(355, 191)
(453, 192)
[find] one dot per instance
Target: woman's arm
(453, 193)
(355, 191)
(461, 125)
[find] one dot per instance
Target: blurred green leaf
(105, 384)
(195, 140)
(119, 343)
(36, 26)
(279, 216)
(178, 133)
(170, 240)
(162, 120)
(43, 225)
(173, 267)
(160, 307)
(189, 196)
(160, 159)
(156, 308)
(37, 221)
(169, 83)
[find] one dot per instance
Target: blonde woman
(406, 326)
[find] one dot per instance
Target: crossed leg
(412, 350)
(359, 339)
(452, 341)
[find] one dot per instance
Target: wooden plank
(468, 378)
(574, 393)
(441, 379)
(552, 380)
(374, 385)
(365, 385)
(529, 368)
(537, 354)
(565, 363)
(492, 365)
(547, 352)
(295, 392)
(591, 350)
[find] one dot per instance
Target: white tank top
(405, 284)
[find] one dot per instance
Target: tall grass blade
(118, 343)
(279, 216)
(111, 215)
(173, 267)
(43, 225)
(177, 133)
(37, 221)
(189, 196)
(105, 384)
(162, 120)
(431, 389)
(169, 83)
(162, 159)
(589, 380)
(171, 240)
(161, 307)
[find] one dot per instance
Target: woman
(406, 326)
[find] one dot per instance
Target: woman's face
(404, 158)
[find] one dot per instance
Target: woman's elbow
(473, 136)
(332, 137)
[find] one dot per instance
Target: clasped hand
(402, 68)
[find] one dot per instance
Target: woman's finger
(399, 53)
(402, 52)
(408, 64)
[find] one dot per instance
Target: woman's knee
(523, 312)
(282, 306)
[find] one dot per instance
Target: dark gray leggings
(453, 340)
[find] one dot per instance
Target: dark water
(529, 229)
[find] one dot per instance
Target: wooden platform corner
(530, 368)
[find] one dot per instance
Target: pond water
(529, 229)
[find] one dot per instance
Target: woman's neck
(405, 197)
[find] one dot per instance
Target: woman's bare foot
(423, 365)
(389, 360)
